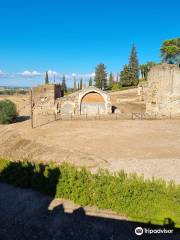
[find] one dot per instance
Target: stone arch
(93, 101)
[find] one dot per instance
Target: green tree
(63, 85)
(170, 51)
(8, 112)
(128, 77)
(81, 84)
(90, 81)
(75, 88)
(110, 81)
(145, 68)
(134, 65)
(101, 77)
(46, 78)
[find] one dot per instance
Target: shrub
(139, 199)
(8, 112)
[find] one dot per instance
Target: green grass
(127, 194)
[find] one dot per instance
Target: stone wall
(47, 100)
(43, 98)
(163, 91)
(72, 104)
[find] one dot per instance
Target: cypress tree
(74, 89)
(134, 65)
(81, 84)
(101, 77)
(90, 81)
(63, 85)
(110, 80)
(46, 78)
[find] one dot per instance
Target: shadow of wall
(24, 213)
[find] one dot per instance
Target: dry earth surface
(146, 147)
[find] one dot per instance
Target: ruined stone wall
(71, 104)
(66, 105)
(47, 100)
(43, 98)
(163, 91)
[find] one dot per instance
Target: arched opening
(92, 103)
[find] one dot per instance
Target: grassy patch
(143, 200)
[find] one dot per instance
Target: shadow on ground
(22, 118)
(25, 214)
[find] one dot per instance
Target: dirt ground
(22, 103)
(146, 147)
(127, 101)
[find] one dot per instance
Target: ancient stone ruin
(163, 91)
(48, 99)
(43, 98)
(90, 101)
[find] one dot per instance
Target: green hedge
(8, 111)
(129, 195)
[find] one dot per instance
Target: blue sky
(73, 36)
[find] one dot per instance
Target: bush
(8, 112)
(130, 195)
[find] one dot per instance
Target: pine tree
(127, 76)
(81, 84)
(110, 81)
(90, 81)
(101, 77)
(170, 51)
(46, 78)
(134, 65)
(63, 85)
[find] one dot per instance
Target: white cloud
(53, 73)
(81, 75)
(30, 74)
(74, 75)
(36, 77)
(3, 74)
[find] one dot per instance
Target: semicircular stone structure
(88, 101)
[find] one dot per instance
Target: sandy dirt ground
(127, 101)
(22, 103)
(147, 147)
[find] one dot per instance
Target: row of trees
(129, 76)
(63, 84)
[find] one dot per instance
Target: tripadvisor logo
(139, 231)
